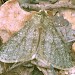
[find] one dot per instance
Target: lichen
(40, 38)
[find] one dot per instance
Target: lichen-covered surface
(53, 44)
(40, 39)
(23, 44)
(12, 18)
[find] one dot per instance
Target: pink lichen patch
(72, 71)
(5, 36)
(73, 47)
(70, 16)
(12, 17)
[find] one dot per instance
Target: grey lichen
(40, 39)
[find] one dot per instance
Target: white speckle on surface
(72, 71)
(34, 56)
